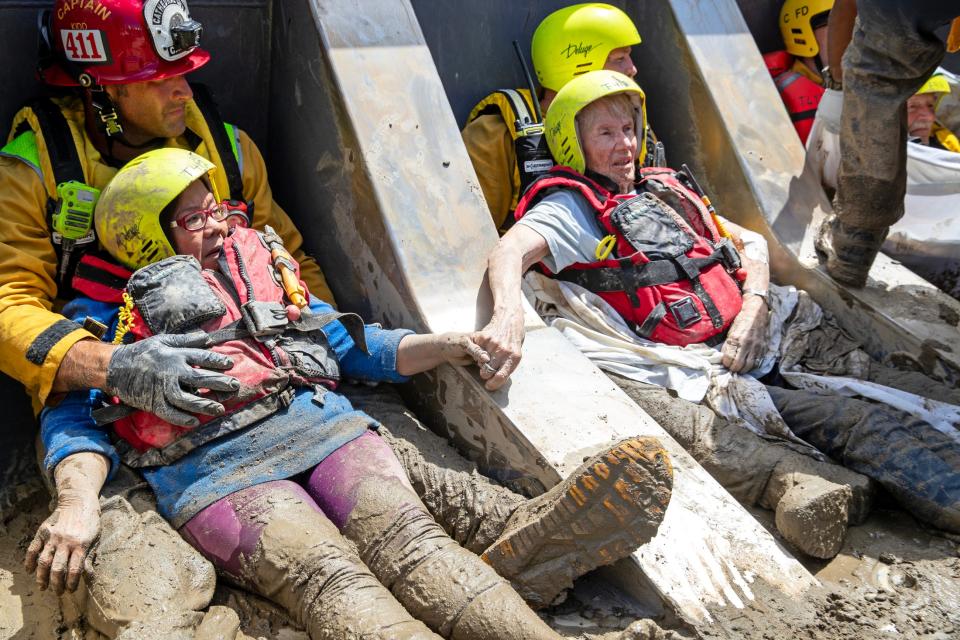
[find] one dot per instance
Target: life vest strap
(243, 417)
(650, 274)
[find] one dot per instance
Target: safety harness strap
(66, 166)
(243, 417)
(240, 329)
(509, 104)
(225, 147)
(650, 274)
(61, 149)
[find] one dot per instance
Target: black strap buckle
(264, 319)
(685, 312)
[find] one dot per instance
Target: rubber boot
(438, 581)
(552, 540)
(601, 513)
(815, 501)
(849, 251)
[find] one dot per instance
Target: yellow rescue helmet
(127, 217)
(577, 39)
(795, 17)
(562, 132)
(935, 84)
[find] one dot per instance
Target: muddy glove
(152, 374)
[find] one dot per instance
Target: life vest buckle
(264, 319)
(729, 255)
(685, 312)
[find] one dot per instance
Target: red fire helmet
(99, 42)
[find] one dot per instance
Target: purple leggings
(230, 527)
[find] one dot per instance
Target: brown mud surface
(892, 579)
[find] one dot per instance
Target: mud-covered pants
(281, 541)
(893, 51)
(916, 463)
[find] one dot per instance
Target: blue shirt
(282, 445)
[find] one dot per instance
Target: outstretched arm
(502, 338)
(418, 353)
(62, 541)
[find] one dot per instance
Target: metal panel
(370, 148)
(471, 44)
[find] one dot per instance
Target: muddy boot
(438, 581)
(815, 501)
(364, 491)
(601, 513)
(849, 251)
(219, 623)
(795, 469)
(120, 592)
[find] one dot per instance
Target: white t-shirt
(569, 225)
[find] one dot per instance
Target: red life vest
(275, 347)
(671, 274)
(800, 94)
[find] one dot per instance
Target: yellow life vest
(947, 139)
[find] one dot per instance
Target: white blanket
(695, 372)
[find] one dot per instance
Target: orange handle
(291, 284)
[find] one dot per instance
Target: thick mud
(892, 579)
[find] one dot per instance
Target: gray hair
(619, 104)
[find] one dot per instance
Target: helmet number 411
(84, 44)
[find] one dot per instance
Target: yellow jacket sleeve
(33, 339)
(256, 187)
(494, 158)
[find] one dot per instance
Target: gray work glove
(151, 375)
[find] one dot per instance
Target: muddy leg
(272, 539)
(470, 507)
(364, 491)
(600, 513)
(916, 463)
(762, 472)
(118, 592)
(892, 52)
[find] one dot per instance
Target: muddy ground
(893, 579)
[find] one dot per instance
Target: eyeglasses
(197, 220)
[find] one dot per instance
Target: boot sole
(609, 506)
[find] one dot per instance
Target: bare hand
(62, 541)
(460, 349)
(501, 340)
(747, 339)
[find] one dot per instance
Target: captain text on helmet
(567, 43)
(649, 244)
